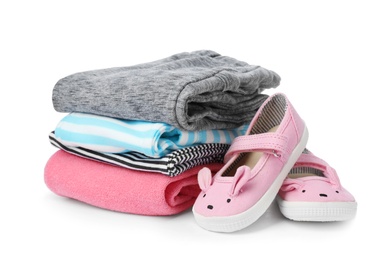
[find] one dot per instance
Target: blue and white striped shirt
(154, 139)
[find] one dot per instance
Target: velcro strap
(310, 160)
(268, 142)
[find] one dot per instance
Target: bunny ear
(242, 176)
(204, 178)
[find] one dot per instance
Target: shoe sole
(246, 218)
(317, 211)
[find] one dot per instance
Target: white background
(329, 54)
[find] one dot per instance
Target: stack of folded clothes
(134, 138)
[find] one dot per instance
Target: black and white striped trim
(300, 170)
(305, 170)
(271, 115)
(172, 164)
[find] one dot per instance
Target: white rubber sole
(317, 211)
(246, 218)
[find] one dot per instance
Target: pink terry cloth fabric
(120, 189)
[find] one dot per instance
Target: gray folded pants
(191, 91)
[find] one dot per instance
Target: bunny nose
(210, 207)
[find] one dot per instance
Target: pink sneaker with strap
(313, 192)
(255, 167)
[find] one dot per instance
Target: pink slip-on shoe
(313, 192)
(255, 167)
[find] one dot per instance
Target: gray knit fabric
(191, 91)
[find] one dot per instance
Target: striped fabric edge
(305, 169)
(171, 165)
(154, 139)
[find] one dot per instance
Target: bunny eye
(228, 200)
(204, 195)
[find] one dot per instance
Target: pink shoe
(312, 192)
(255, 167)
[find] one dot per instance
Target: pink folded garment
(121, 189)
